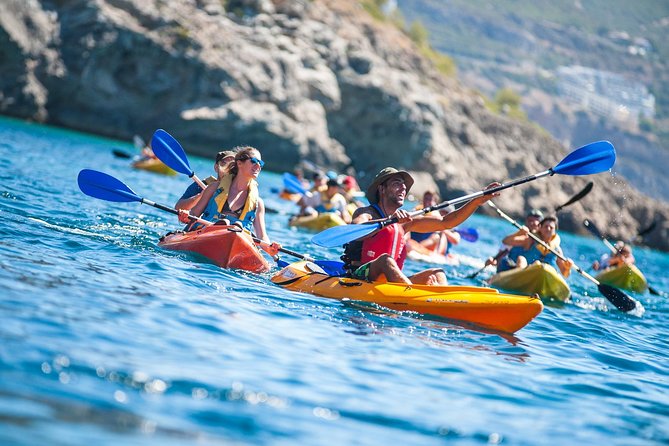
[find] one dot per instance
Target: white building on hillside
(606, 94)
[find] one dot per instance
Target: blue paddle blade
(339, 235)
(292, 184)
(331, 267)
(468, 234)
(592, 158)
(169, 151)
(105, 187)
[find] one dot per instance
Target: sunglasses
(255, 160)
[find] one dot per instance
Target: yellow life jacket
(214, 209)
(554, 243)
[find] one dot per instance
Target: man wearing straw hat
(382, 254)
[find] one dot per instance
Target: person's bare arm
(433, 223)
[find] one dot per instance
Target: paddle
(138, 142)
(106, 187)
(468, 234)
(647, 230)
(121, 154)
(586, 190)
(619, 299)
(643, 232)
(292, 184)
(497, 258)
(313, 167)
(592, 158)
(169, 151)
(590, 226)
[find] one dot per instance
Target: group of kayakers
(520, 250)
(325, 197)
(231, 197)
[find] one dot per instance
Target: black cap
(223, 154)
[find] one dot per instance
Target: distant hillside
(552, 33)
(521, 44)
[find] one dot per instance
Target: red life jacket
(389, 240)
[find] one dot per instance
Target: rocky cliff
(318, 80)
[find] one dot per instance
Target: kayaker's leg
(432, 276)
(386, 265)
(521, 262)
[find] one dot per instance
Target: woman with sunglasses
(235, 198)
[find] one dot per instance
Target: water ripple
(107, 338)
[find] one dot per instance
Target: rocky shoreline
(318, 80)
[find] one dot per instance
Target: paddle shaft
(497, 257)
(469, 197)
(542, 243)
(650, 227)
(586, 190)
(597, 233)
(198, 181)
(162, 207)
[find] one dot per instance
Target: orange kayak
(223, 245)
(289, 196)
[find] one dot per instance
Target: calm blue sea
(107, 339)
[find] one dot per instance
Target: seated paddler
(381, 255)
(526, 251)
(329, 200)
(234, 198)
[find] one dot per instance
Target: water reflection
(439, 331)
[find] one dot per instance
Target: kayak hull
(484, 307)
(153, 165)
(318, 222)
(225, 247)
(537, 278)
(627, 277)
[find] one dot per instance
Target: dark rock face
(299, 80)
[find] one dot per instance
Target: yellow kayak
(153, 165)
(484, 307)
(318, 222)
(627, 277)
(537, 278)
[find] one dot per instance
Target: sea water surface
(107, 339)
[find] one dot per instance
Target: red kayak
(226, 246)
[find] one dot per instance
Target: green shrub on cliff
(507, 102)
(417, 33)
